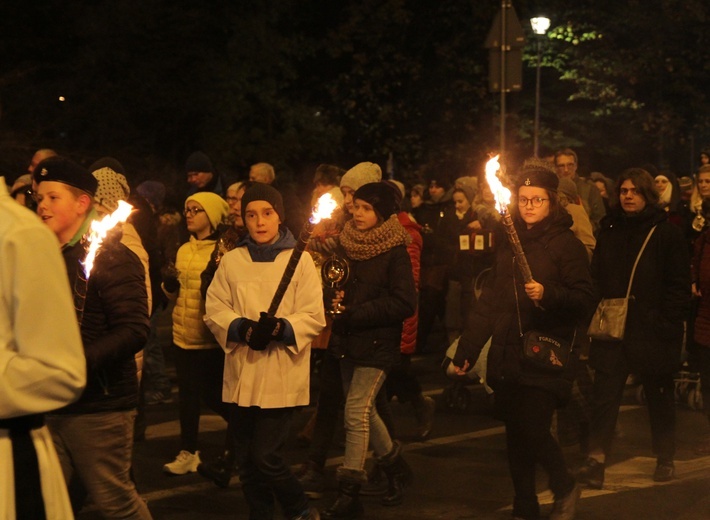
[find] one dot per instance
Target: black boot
(399, 475)
(347, 506)
(219, 470)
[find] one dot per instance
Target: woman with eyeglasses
(557, 300)
(658, 304)
(199, 360)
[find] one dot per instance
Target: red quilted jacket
(409, 328)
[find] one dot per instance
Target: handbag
(540, 350)
(545, 352)
(609, 320)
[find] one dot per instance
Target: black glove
(170, 278)
(246, 332)
(268, 329)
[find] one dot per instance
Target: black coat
(660, 292)
(558, 261)
(379, 295)
(114, 325)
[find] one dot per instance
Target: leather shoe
(591, 473)
(665, 471)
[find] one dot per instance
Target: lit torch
(324, 208)
(502, 196)
(100, 228)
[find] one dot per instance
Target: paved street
(461, 471)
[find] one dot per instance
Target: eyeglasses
(536, 202)
(192, 211)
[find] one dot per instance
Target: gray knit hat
(361, 174)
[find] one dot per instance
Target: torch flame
(500, 192)
(99, 230)
(324, 208)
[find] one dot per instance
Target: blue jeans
(97, 447)
(362, 423)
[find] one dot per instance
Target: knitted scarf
(363, 245)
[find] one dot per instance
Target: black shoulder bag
(542, 351)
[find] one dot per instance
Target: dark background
(300, 82)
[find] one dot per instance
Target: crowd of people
(394, 271)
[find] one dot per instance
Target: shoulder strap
(638, 257)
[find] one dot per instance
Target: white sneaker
(185, 462)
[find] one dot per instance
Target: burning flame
(500, 192)
(324, 208)
(99, 230)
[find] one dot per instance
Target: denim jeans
(362, 423)
(97, 447)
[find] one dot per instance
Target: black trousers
(199, 377)
(607, 393)
(260, 435)
(527, 413)
(703, 358)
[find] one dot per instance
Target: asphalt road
(460, 471)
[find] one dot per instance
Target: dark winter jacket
(114, 325)
(438, 221)
(379, 295)
(701, 278)
(660, 294)
(559, 262)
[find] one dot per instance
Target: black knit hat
(382, 197)
(61, 169)
(199, 162)
(108, 162)
(537, 173)
(260, 191)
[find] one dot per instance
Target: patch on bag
(536, 349)
(554, 360)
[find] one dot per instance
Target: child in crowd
(199, 362)
(378, 296)
(267, 367)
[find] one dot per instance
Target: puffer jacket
(660, 294)
(114, 324)
(559, 262)
(379, 295)
(189, 329)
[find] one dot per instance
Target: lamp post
(540, 25)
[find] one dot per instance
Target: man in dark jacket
(94, 436)
(659, 302)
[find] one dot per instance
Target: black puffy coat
(379, 295)
(660, 294)
(559, 262)
(114, 325)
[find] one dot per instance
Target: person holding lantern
(554, 302)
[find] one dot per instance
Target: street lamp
(540, 25)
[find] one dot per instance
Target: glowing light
(62, 98)
(324, 208)
(99, 230)
(540, 24)
(500, 192)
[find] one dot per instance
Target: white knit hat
(361, 174)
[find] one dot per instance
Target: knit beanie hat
(538, 173)
(153, 192)
(360, 174)
(108, 162)
(261, 191)
(468, 191)
(199, 162)
(381, 195)
(61, 169)
(112, 187)
(214, 205)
